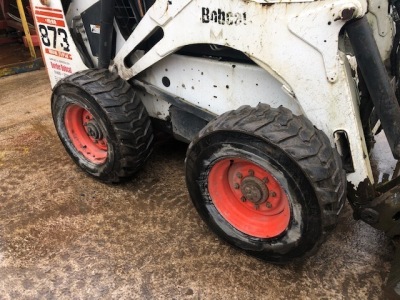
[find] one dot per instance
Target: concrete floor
(65, 236)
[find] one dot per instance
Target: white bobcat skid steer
(279, 122)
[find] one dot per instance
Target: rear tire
(102, 124)
(266, 181)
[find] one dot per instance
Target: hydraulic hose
(377, 80)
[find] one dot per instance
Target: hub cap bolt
(251, 172)
(237, 186)
(239, 175)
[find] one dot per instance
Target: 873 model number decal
(56, 44)
(54, 37)
(56, 32)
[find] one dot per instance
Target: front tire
(266, 181)
(102, 124)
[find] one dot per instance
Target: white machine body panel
(294, 46)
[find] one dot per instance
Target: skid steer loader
(279, 101)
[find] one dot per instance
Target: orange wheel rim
(85, 134)
(249, 198)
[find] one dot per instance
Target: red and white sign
(58, 48)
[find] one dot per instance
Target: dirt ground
(64, 235)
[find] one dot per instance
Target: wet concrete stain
(64, 235)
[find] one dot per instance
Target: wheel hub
(249, 197)
(85, 134)
(93, 130)
(254, 190)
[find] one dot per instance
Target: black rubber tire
(315, 181)
(121, 115)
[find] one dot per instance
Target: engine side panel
(217, 86)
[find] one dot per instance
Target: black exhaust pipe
(106, 33)
(377, 80)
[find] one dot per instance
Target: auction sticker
(58, 49)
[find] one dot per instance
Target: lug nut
(251, 172)
(273, 194)
(268, 204)
(243, 199)
(237, 186)
(265, 180)
(239, 175)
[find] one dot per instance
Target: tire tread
(125, 112)
(309, 147)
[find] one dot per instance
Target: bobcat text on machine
(279, 101)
